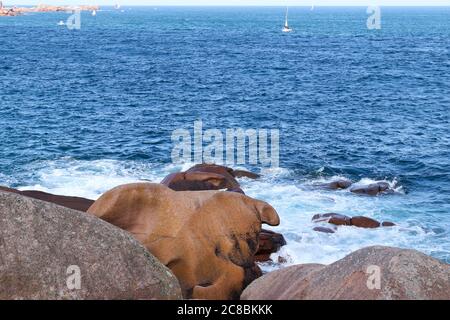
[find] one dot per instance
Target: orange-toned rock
(207, 238)
(364, 222)
(269, 242)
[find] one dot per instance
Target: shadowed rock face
(76, 203)
(196, 181)
(269, 242)
(207, 177)
(40, 240)
(207, 238)
(404, 275)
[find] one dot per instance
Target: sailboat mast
(286, 21)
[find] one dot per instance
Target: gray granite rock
(40, 241)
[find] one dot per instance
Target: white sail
(286, 23)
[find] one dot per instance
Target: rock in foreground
(207, 238)
(404, 275)
(41, 242)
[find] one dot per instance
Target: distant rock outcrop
(44, 247)
(373, 273)
(14, 11)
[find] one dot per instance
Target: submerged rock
(43, 247)
(372, 189)
(336, 184)
(207, 238)
(324, 229)
(373, 273)
(333, 218)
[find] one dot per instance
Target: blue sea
(82, 111)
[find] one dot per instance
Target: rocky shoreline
(16, 11)
(186, 238)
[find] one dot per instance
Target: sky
(238, 2)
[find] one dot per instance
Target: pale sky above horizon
(238, 2)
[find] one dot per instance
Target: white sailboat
(117, 6)
(286, 27)
(94, 13)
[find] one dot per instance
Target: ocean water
(82, 111)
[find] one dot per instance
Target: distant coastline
(16, 11)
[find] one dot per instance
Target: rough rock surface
(207, 238)
(39, 241)
(404, 275)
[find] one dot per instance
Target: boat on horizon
(286, 27)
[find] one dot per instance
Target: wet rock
(404, 275)
(40, 243)
(207, 238)
(226, 172)
(76, 203)
(245, 174)
(269, 242)
(196, 181)
(333, 218)
(372, 189)
(364, 222)
(336, 185)
(343, 220)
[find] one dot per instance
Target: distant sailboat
(61, 23)
(286, 24)
(94, 13)
(117, 6)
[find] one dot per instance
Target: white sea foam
(295, 201)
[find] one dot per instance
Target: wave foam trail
(295, 199)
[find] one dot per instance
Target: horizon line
(244, 5)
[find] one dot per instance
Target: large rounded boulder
(207, 238)
(372, 273)
(51, 252)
